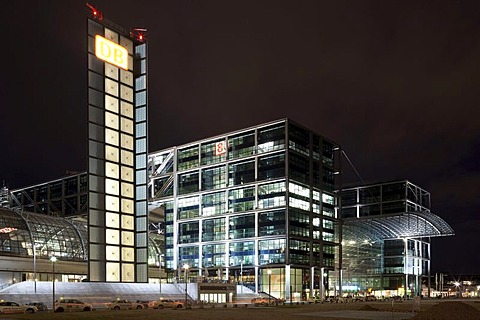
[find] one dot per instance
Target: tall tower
(117, 153)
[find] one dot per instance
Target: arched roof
(394, 226)
(52, 236)
(23, 232)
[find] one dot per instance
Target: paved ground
(341, 311)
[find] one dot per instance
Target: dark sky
(394, 82)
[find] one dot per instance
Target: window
(188, 232)
(271, 167)
(242, 226)
(213, 178)
(241, 172)
(213, 229)
(299, 139)
(213, 255)
(299, 168)
(271, 195)
(271, 223)
(242, 253)
(188, 182)
(271, 138)
(242, 145)
(241, 199)
(271, 251)
(210, 154)
(187, 158)
(213, 204)
(188, 207)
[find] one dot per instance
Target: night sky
(395, 83)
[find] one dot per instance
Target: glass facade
(262, 199)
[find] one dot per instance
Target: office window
(213, 255)
(213, 229)
(188, 207)
(271, 223)
(271, 138)
(214, 178)
(271, 195)
(299, 168)
(271, 251)
(188, 232)
(213, 152)
(242, 253)
(241, 199)
(241, 172)
(213, 204)
(241, 145)
(242, 226)
(271, 167)
(298, 139)
(187, 158)
(188, 182)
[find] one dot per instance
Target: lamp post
(186, 266)
(269, 284)
(53, 259)
(160, 272)
(241, 275)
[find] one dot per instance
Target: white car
(13, 307)
(72, 305)
(165, 303)
(124, 304)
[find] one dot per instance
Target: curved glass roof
(406, 225)
(23, 232)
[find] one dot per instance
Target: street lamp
(53, 259)
(269, 284)
(241, 275)
(186, 266)
(160, 271)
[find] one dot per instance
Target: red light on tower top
(138, 34)
(95, 13)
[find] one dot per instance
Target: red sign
(220, 148)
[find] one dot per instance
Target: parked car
(260, 301)
(72, 305)
(143, 302)
(123, 304)
(165, 303)
(13, 307)
(40, 306)
(315, 299)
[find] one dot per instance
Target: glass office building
(257, 206)
(386, 239)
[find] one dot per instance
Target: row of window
(246, 226)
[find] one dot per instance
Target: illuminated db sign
(220, 148)
(111, 52)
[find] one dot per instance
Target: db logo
(220, 148)
(111, 52)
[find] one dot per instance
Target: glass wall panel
(242, 226)
(213, 178)
(271, 138)
(241, 172)
(271, 167)
(271, 195)
(213, 229)
(187, 158)
(299, 252)
(213, 152)
(298, 139)
(241, 199)
(188, 207)
(188, 182)
(213, 204)
(241, 145)
(299, 168)
(213, 255)
(299, 223)
(189, 255)
(271, 251)
(271, 223)
(188, 232)
(242, 253)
